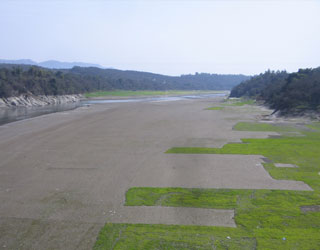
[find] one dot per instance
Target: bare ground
(63, 175)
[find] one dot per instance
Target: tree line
(288, 93)
(25, 79)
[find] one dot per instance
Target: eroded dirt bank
(37, 101)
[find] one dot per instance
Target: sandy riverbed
(63, 175)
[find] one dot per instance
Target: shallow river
(8, 115)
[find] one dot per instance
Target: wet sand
(63, 175)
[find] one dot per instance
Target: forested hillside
(38, 81)
(22, 79)
(289, 93)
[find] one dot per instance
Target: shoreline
(119, 97)
(30, 100)
(17, 113)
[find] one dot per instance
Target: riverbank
(30, 100)
(16, 113)
(37, 101)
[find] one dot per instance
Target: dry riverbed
(63, 175)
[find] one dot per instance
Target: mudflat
(63, 175)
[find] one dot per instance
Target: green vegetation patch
(182, 197)
(252, 126)
(303, 151)
(238, 102)
(144, 93)
(215, 108)
(139, 236)
(276, 209)
(143, 236)
(266, 219)
(230, 102)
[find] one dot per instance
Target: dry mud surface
(63, 175)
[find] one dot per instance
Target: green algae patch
(252, 126)
(142, 236)
(265, 219)
(232, 103)
(302, 150)
(182, 197)
(192, 150)
(238, 102)
(214, 108)
(278, 209)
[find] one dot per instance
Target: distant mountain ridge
(51, 64)
(16, 80)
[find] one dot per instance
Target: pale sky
(168, 37)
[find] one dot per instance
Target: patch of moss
(303, 151)
(254, 208)
(182, 197)
(266, 219)
(139, 236)
(252, 126)
(215, 108)
(239, 102)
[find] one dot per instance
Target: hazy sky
(169, 37)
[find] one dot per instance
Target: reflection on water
(20, 113)
(156, 99)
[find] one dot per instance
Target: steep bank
(37, 101)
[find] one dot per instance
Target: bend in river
(8, 115)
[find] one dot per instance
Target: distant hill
(20, 61)
(137, 80)
(293, 93)
(51, 64)
(23, 79)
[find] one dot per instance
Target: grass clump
(139, 236)
(143, 236)
(231, 102)
(303, 151)
(238, 102)
(251, 126)
(215, 108)
(266, 219)
(182, 197)
(264, 209)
